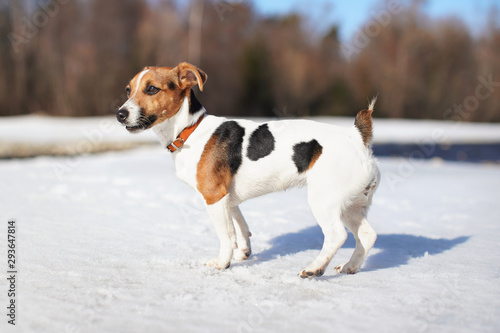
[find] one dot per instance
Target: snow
(114, 242)
(416, 131)
(42, 129)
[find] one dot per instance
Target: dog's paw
(306, 274)
(347, 269)
(241, 254)
(216, 263)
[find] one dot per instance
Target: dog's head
(156, 94)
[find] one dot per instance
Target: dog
(230, 161)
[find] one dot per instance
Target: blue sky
(350, 15)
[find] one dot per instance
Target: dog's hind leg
(242, 235)
(328, 217)
(354, 218)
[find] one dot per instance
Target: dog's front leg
(221, 217)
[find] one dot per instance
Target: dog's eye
(151, 90)
(127, 90)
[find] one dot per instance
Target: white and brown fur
(230, 161)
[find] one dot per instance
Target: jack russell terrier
(230, 161)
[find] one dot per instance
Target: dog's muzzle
(133, 124)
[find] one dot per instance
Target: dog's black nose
(122, 115)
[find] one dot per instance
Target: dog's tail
(364, 123)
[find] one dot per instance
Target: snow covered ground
(115, 242)
(41, 129)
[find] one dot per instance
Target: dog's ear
(190, 75)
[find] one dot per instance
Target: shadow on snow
(397, 249)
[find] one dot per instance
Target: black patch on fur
(261, 143)
(146, 121)
(171, 85)
(230, 140)
(150, 120)
(194, 105)
(303, 154)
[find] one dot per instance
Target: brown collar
(184, 136)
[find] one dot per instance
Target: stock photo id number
(11, 272)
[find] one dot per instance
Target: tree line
(74, 58)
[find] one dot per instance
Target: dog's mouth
(144, 124)
(135, 129)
